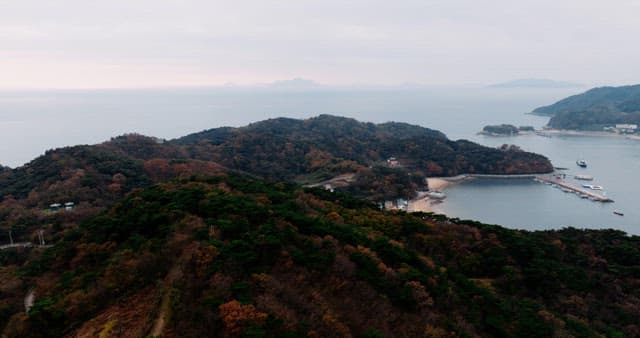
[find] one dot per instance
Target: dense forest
(215, 234)
(233, 256)
(93, 177)
(595, 109)
(300, 151)
(592, 120)
(322, 147)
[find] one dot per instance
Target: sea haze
(33, 121)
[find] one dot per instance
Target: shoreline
(566, 132)
(425, 203)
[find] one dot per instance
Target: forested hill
(595, 109)
(324, 146)
(299, 151)
(625, 98)
(321, 128)
(229, 256)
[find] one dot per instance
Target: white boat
(592, 187)
(436, 194)
(581, 163)
(583, 177)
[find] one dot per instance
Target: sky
(157, 43)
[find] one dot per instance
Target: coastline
(566, 132)
(424, 203)
(520, 133)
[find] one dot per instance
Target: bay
(613, 162)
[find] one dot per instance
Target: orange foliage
(237, 317)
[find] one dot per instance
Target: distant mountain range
(297, 83)
(536, 83)
(595, 109)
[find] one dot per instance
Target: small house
(626, 128)
(393, 162)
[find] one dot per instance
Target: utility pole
(10, 237)
(41, 236)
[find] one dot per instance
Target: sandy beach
(437, 184)
(423, 202)
(420, 204)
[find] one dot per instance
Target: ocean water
(613, 162)
(33, 121)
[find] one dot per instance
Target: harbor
(556, 180)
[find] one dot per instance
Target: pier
(578, 190)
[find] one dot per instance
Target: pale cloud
(128, 43)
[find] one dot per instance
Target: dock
(578, 190)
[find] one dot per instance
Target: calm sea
(33, 121)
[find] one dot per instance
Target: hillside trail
(175, 273)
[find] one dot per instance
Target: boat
(583, 177)
(619, 213)
(437, 195)
(581, 163)
(592, 187)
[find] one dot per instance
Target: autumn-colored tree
(236, 317)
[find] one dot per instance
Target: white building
(627, 128)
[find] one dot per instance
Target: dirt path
(29, 299)
(174, 274)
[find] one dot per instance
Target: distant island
(604, 109)
(536, 83)
(506, 130)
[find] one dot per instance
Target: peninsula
(613, 110)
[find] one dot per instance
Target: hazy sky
(129, 43)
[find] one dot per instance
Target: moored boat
(437, 194)
(619, 213)
(581, 163)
